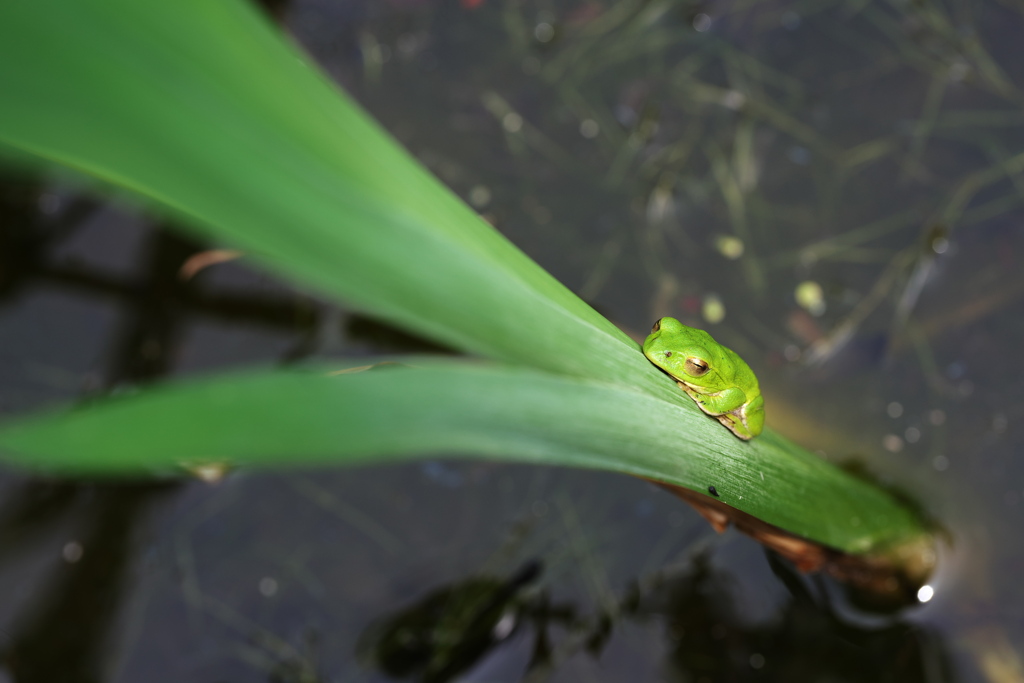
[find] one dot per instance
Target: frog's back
(743, 376)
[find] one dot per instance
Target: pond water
(833, 189)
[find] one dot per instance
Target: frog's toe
(735, 426)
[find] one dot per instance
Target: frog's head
(686, 353)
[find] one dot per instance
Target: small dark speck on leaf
(713, 491)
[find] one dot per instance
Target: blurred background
(835, 190)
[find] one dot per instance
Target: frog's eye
(695, 367)
(657, 326)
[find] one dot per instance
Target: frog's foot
(734, 421)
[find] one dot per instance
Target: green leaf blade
(253, 147)
(472, 410)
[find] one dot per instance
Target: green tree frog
(717, 379)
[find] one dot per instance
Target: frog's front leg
(718, 402)
(729, 406)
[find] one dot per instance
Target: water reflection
(66, 632)
(449, 630)
(807, 639)
(707, 634)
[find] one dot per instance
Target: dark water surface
(833, 189)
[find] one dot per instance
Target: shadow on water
(705, 633)
(808, 639)
(451, 629)
(67, 632)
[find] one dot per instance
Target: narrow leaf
(200, 107)
(470, 409)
